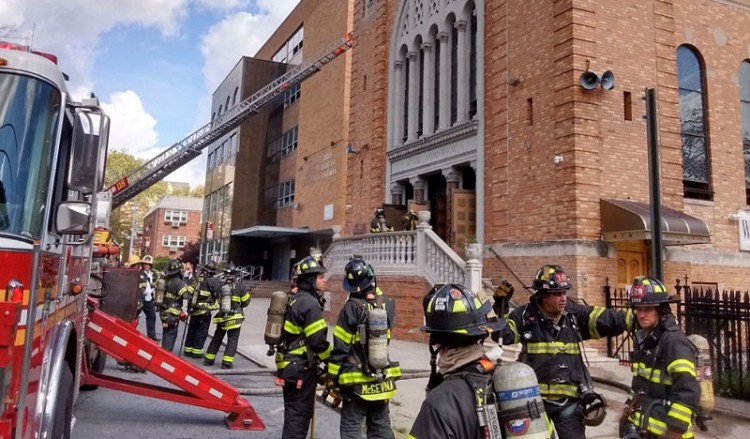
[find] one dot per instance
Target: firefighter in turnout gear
(366, 387)
(665, 391)
(146, 290)
(457, 322)
(234, 298)
(304, 345)
(379, 222)
(172, 311)
(551, 330)
(207, 290)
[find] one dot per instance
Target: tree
(191, 252)
(120, 164)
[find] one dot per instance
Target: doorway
(632, 261)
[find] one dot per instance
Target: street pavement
(731, 419)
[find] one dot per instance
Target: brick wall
(154, 227)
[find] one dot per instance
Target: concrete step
(267, 287)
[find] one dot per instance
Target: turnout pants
(150, 311)
(197, 332)
(298, 404)
(233, 337)
(375, 414)
(568, 420)
(169, 334)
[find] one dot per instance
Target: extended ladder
(190, 147)
(199, 388)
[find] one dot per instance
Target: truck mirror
(83, 171)
(73, 218)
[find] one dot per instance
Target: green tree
(191, 252)
(121, 164)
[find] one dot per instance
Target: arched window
(696, 177)
(745, 112)
(234, 98)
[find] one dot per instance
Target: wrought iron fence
(723, 318)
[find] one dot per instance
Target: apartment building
(486, 113)
(170, 224)
(276, 185)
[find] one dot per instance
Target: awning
(625, 220)
(270, 232)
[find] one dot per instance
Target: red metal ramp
(119, 339)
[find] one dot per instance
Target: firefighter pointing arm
(359, 362)
(665, 391)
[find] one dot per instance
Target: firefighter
(303, 347)
(147, 288)
(379, 222)
(208, 290)
(551, 329)
(234, 299)
(366, 390)
(409, 220)
(457, 322)
(665, 392)
(172, 311)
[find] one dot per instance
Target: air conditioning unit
(175, 224)
(173, 249)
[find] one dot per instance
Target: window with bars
(285, 194)
(696, 176)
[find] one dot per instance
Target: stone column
(419, 188)
(397, 193)
(428, 91)
(462, 82)
(398, 113)
(444, 112)
(451, 178)
(412, 117)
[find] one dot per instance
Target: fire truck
(55, 252)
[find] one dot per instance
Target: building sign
(744, 226)
(328, 212)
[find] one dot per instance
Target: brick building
(275, 186)
(475, 110)
(170, 224)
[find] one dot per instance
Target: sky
(154, 64)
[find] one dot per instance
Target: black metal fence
(723, 318)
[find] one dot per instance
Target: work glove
(502, 296)
(183, 315)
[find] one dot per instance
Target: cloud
(132, 128)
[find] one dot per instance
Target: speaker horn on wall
(608, 80)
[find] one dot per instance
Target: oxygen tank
(226, 298)
(161, 288)
(377, 339)
(275, 320)
(195, 295)
(703, 372)
(519, 403)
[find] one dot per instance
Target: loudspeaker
(588, 80)
(608, 80)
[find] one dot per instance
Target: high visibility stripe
(681, 365)
(555, 347)
(564, 390)
(680, 412)
(314, 327)
(345, 336)
(333, 368)
(292, 328)
(650, 374)
(593, 317)
(514, 330)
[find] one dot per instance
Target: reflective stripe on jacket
(234, 319)
(304, 328)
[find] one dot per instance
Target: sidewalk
(731, 419)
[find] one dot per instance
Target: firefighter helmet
(455, 315)
(210, 268)
(649, 291)
(594, 407)
(148, 259)
(379, 212)
(310, 265)
(551, 278)
(134, 260)
(358, 276)
(174, 267)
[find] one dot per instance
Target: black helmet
(649, 291)
(210, 268)
(358, 276)
(293, 274)
(310, 265)
(551, 278)
(594, 408)
(455, 315)
(174, 267)
(379, 211)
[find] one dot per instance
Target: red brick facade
(155, 227)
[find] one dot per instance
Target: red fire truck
(54, 251)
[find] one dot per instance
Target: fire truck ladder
(199, 388)
(191, 147)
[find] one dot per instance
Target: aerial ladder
(120, 339)
(191, 147)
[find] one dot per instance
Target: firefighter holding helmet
(234, 298)
(171, 308)
(203, 302)
(303, 346)
(665, 391)
(359, 362)
(551, 329)
(457, 322)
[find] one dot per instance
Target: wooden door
(463, 219)
(632, 261)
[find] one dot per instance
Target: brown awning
(625, 220)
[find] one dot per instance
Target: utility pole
(132, 228)
(652, 131)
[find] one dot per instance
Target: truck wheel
(97, 366)
(63, 406)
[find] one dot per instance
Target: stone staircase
(266, 287)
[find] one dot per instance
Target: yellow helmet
(134, 259)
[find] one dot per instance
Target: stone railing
(420, 252)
